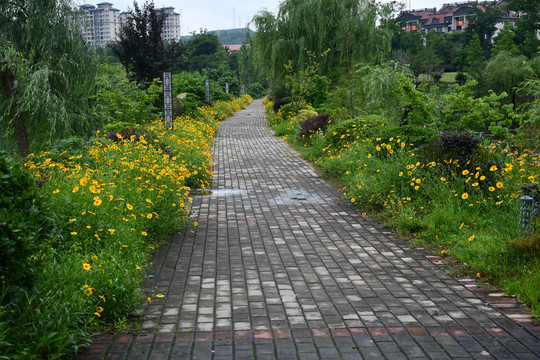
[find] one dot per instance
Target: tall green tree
(47, 73)
(344, 30)
(482, 19)
(505, 41)
(140, 47)
(527, 25)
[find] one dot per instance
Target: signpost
(167, 99)
(207, 89)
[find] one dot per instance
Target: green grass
(449, 77)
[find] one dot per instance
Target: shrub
(302, 116)
(22, 225)
(459, 146)
(315, 123)
(256, 91)
(317, 90)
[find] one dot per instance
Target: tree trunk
(18, 120)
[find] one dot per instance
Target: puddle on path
(291, 196)
(219, 192)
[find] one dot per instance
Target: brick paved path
(278, 269)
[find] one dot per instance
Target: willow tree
(46, 70)
(344, 30)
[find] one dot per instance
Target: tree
(505, 41)
(505, 73)
(140, 47)
(482, 19)
(347, 29)
(47, 73)
(203, 51)
(474, 57)
(527, 25)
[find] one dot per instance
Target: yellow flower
(89, 291)
(493, 168)
(149, 216)
(97, 314)
(72, 220)
(443, 179)
(471, 238)
(491, 188)
(149, 299)
(144, 233)
(482, 178)
(461, 226)
(99, 308)
(464, 172)
(111, 231)
(73, 233)
(56, 191)
(129, 206)
(475, 184)
(83, 181)
(86, 266)
(464, 196)
(97, 202)
(369, 156)
(444, 252)
(353, 200)
(160, 295)
(499, 185)
(75, 189)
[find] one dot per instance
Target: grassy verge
(467, 211)
(109, 202)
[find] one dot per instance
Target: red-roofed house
(450, 17)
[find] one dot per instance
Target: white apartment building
(171, 25)
(100, 24)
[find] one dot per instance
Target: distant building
(171, 25)
(450, 17)
(101, 24)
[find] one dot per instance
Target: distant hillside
(227, 37)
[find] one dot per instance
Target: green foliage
(120, 100)
(23, 225)
(256, 91)
(193, 83)
(316, 26)
(141, 49)
(474, 58)
(47, 71)
(317, 90)
(505, 73)
(505, 41)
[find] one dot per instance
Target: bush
(256, 91)
(317, 90)
(22, 225)
(314, 124)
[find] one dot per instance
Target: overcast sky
(228, 14)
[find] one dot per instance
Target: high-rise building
(171, 24)
(101, 24)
